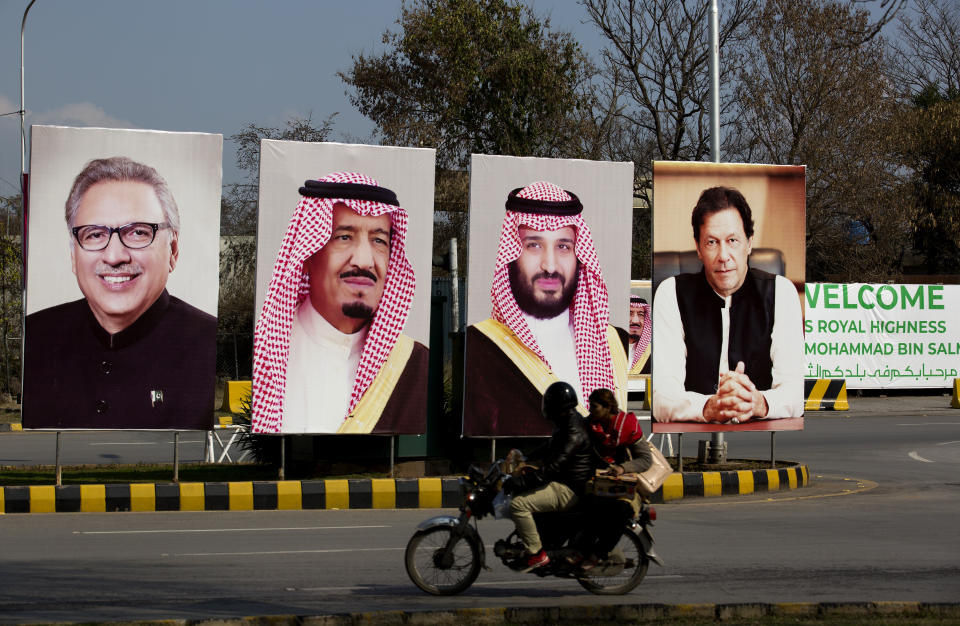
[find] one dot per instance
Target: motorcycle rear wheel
(629, 552)
(423, 560)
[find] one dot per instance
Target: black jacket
(568, 457)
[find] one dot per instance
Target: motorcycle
(445, 554)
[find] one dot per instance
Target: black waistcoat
(751, 326)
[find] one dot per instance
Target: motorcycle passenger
(567, 464)
(618, 440)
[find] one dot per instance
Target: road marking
(142, 443)
(916, 457)
(123, 443)
(946, 443)
(930, 424)
(214, 530)
(330, 551)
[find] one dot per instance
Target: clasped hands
(737, 399)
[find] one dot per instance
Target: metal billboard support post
(23, 197)
(283, 457)
(176, 456)
(208, 451)
(454, 284)
(680, 452)
(59, 469)
(391, 456)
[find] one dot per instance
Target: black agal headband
(573, 206)
(348, 191)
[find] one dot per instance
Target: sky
(197, 65)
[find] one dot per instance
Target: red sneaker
(537, 560)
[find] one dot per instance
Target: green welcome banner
(883, 336)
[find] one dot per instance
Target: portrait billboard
(122, 279)
(549, 287)
(641, 339)
(883, 336)
(344, 251)
(728, 274)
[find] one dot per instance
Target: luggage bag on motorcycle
(627, 485)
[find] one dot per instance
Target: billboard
(548, 294)
(728, 244)
(122, 279)
(344, 245)
(883, 336)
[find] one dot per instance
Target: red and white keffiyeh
(309, 230)
(590, 305)
(641, 346)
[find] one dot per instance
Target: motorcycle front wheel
(621, 572)
(434, 570)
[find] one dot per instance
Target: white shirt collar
(561, 322)
(321, 331)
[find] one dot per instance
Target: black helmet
(558, 399)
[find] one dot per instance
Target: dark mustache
(556, 275)
(359, 273)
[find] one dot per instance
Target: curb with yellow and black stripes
(361, 493)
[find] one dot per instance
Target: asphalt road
(877, 524)
(828, 436)
(29, 448)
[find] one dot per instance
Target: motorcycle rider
(567, 464)
(618, 440)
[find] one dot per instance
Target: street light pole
(23, 111)
(718, 453)
(714, 83)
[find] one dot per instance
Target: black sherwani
(158, 373)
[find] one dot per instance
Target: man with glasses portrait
(128, 354)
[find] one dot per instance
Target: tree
(656, 77)
(928, 47)
(811, 93)
(483, 76)
(235, 308)
(933, 154)
(238, 209)
(238, 250)
(928, 69)
(11, 289)
(656, 64)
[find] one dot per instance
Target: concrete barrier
(825, 394)
(235, 394)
